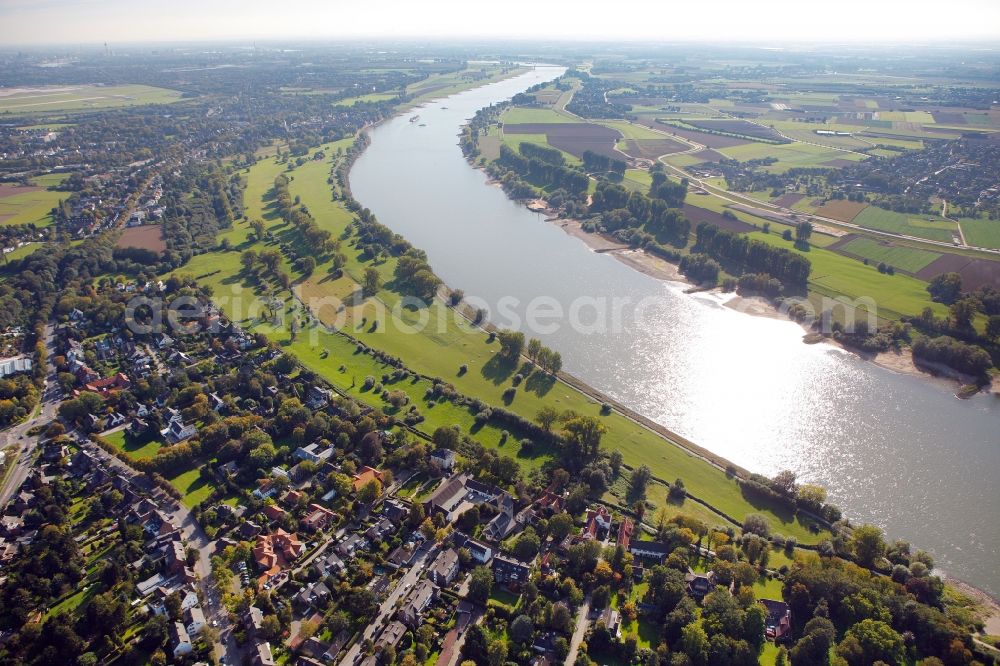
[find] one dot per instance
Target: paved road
(215, 612)
(388, 607)
(582, 623)
(18, 445)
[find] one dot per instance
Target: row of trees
(752, 255)
(544, 173)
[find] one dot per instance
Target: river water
(899, 451)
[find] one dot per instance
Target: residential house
(480, 552)
(444, 459)
(391, 635)
(365, 476)
(699, 585)
(445, 568)
(262, 654)
(109, 385)
(507, 570)
(312, 594)
(318, 398)
(319, 518)
(381, 530)
(195, 619)
(313, 453)
(180, 640)
(395, 510)
(653, 550)
(350, 545)
(254, 620)
(420, 598)
(274, 552)
(778, 624)
(625, 531)
(176, 431)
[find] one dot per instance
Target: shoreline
(659, 268)
(901, 362)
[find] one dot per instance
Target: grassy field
(514, 141)
(139, 451)
(437, 86)
(83, 98)
(435, 353)
(371, 97)
(31, 205)
(908, 259)
(981, 233)
(632, 131)
(833, 274)
(880, 219)
(22, 251)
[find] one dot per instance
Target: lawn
(981, 233)
(435, 352)
(881, 219)
(192, 486)
(138, 450)
(908, 259)
(82, 98)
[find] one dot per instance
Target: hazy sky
(121, 21)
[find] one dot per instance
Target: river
(895, 450)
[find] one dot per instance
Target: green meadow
(437, 352)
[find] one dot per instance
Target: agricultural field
(840, 209)
(790, 155)
(58, 99)
(30, 204)
(981, 233)
(520, 115)
(146, 237)
(880, 219)
(573, 138)
(834, 274)
(741, 128)
(441, 85)
(908, 259)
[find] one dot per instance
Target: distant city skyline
(39, 22)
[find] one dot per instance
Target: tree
(755, 523)
(372, 281)
(583, 438)
(867, 544)
(527, 545)
(870, 641)
(307, 265)
(640, 479)
(560, 525)
(813, 648)
(962, 311)
(803, 232)
(945, 288)
(993, 327)
(694, 643)
(534, 347)
(521, 630)
(248, 259)
(547, 416)
(480, 585)
(370, 492)
(511, 344)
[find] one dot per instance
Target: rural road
(581, 629)
(18, 446)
